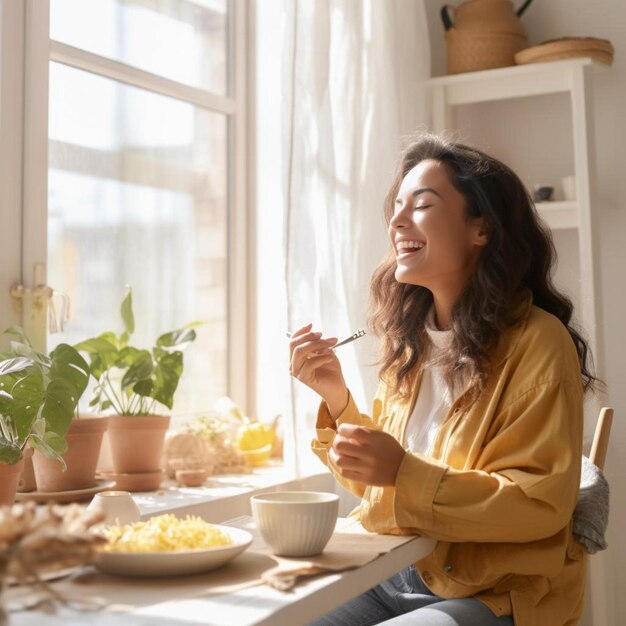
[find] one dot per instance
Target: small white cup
(118, 507)
(569, 187)
(295, 523)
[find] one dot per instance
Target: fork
(356, 335)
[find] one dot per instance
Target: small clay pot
(191, 477)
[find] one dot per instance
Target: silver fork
(356, 335)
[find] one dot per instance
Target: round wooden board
(567, 48)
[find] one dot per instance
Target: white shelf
(572, 79)
(559, 215)
(516, 81)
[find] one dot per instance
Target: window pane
(184, 40)
(137, 196)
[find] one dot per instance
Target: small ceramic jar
(118, 507)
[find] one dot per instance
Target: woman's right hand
(313, 363)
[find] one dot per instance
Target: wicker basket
(474, 51)
(568, 48)
(483, 34)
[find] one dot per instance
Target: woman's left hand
(368, 456)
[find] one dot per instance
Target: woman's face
(436, 245)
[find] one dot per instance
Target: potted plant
(135, 385)
(84, 441)
(38, 396)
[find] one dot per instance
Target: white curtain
(350, 84)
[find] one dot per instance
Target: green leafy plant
(38, 397)
(129, 380)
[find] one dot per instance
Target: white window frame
(25, 53)
(12, 62)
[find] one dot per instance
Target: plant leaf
(127, 356)
(102, 363)
(25, 350)
(127, 312)
(51, 445)
(141, 368)
(28, 395)
(6, 401)
(68, 365)
(57, 443)
(166, 376)
(144, 388)
(15, 364)
(10, 453)
(111, 337)
(176, 339)
(58, 409)
(102, 352)
(17, 331)
(97, 345)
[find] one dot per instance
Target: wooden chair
(597, 583)
(601, 437)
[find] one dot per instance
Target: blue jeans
(404, 600)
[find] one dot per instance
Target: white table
(183, 601)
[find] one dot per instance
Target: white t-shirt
(435, 396)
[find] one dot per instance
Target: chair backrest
(601, 437)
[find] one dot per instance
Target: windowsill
(227, 496)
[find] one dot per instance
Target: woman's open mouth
(407, 248)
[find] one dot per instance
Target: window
(145, 143)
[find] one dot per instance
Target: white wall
(606, 19)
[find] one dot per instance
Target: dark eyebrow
(417, 192)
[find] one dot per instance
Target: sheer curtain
(349, 86)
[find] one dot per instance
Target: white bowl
(118, 507)
(295, 523)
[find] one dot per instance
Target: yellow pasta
(165, 533)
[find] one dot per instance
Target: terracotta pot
(137, 442)
(84, 439)
(27, 480)
(9, 477)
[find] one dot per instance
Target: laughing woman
(475, 438)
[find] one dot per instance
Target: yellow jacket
(500, 488)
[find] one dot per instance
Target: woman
(476, 434)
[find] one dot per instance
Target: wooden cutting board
(567, 48)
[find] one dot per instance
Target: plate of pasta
(168, 546)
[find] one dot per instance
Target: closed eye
(422, 206)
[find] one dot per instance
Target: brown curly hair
(518, 258)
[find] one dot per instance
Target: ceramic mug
(569, 187)
(118, 507)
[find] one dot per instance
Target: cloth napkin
(350, 546)
(591, 515)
